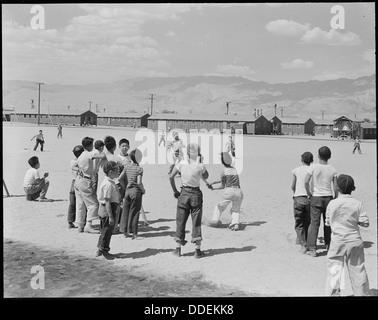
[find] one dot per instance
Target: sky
(275, 43)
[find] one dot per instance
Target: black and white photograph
(189, 150)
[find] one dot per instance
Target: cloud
(330, 38)
(234, 70)
(106, 43)
(170, 34)
(287, 28)
(297, 64)
(369, 56)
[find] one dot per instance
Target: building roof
(130, 115)
(294, 120)
(323, 122)
(204, 117)
(61, 112)
(367, 125)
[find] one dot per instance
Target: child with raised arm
(301, 202)
(71, 217)
(230, 182)
(344, 215)
(324, 178)
(190, 199)
(34, 186)
(40, 140)
(109, 199)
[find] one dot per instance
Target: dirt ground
(260, 260)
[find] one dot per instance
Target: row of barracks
(246, 124)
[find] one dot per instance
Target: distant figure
(177, 147)
(60, 131)
(134, 125)
(162, 138)
(230, 146)
(356, 145)
(39, 140)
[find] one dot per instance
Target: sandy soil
(260, 260)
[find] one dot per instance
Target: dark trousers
(357, 147)
(302, 218)
(189, 203)
(132, 204)
(37, 142)
(71, 217)
(106, 230)
(318, 207)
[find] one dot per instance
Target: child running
(131, 180)
(40, 140)
(109, 199)
(34, 186)
(324, 178)
(301, 202)
(230, 182)
(357, 143)
(71, 217)
(190, 199)
(344, 215)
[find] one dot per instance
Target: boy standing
(86, 199)
(324, 178)
(356, 145)
(230, 146)
(109, 198)
(77, 151)
(60, 131)
(39, 140)
(124, 147)
(190, 200)
(344, 215)
(230, 182)
(301, 201)
(177, 147)
(34, 186)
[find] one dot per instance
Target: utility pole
(90, 105)
(275, 109)
(152, 102)
(39, 100)
(227, 106)
(322, 114)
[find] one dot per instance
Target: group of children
(319, 192)
(117, 201)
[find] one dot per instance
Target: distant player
(356, 145)
(60, 135)
(40, 140)
(162, 138)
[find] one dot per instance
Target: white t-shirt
(343, 215)
(322, 175)
(31, 176)
(108, 190)
(86, 163)
(301, 174)
(125, 159)
(191, 173)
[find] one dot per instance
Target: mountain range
(329, 99)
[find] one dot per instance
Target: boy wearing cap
(77, 151)
(86, 199)
(177, 146)
(109, 199)
(189, 200)
(301, 201)
(344, 215)
(324, 178)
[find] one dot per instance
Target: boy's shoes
(127, 235)
(215, 224)
(81, 229)
(198, 254)
(134, 237)
(327, 248)
(105, 254)
(45, 200)
(89, 229)
(302, 249)
(71, 225)
(177, 252)
(311, 253)
(235, 227)
(98, 253)
(116, 230)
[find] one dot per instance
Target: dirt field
(260, 260)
